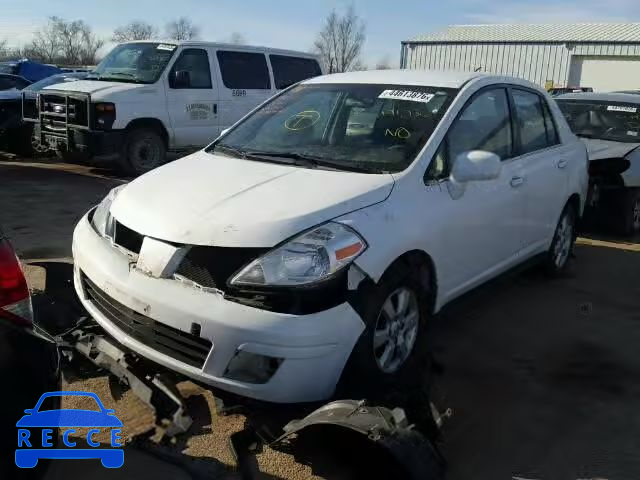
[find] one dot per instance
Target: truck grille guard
(58, 113)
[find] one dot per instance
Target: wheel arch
(576, 203)
(422, 263)
(152, 123)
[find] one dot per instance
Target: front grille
(212, 266)
(127, 238)
(59, 108)
(184, 347)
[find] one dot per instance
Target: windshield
(615, 121)
(134, 62)
(371, 128)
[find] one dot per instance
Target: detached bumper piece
(372, 442)
(148, 383)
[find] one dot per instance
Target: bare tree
(4, 50)
(45, 45)
(134, 30)
(384, 63)
(182, 29)
(237, 38)
(66, 42)
(340, 41)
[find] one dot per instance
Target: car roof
(230, 46)
(431, 78)
(601, 97)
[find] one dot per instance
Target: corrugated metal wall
(537, 62)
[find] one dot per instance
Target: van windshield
(615, 121)
(134, 62)
(368, 128)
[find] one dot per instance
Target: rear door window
(289, 70)
(244, 70)
(530, 121)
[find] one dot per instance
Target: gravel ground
(542, 376)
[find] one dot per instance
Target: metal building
(605, 56)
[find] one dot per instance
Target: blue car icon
(69, 419)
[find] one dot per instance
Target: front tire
(391, 352)
(144, 150)
(564, 238)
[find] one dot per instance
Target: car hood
(600, 149)
(10, 94)
(206, 199)
(101, 89)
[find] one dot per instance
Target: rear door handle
(517, 181)
(562, 163)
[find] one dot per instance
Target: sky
(294, 24)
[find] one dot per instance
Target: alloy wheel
(396, 330)
(564, 239)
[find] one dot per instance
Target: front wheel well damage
(414, 261)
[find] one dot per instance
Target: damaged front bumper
(209, 338)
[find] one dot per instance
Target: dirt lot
(543, 377)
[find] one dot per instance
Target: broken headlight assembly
(309, 258)
(101, 219)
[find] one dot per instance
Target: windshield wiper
(229, 149)
(310, 161)
(297, 159)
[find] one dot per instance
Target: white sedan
(307, 247)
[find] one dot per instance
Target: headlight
(105, 115)
(102, 220)
(308, 258)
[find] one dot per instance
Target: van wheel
(631, 211)
(391, 351)
(564, 240)
(144, 150)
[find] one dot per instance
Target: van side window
(244, 70)
(195, 62)
(289, 70)
(530, 121)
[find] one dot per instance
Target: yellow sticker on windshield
(302, 120)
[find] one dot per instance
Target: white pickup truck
(148, 97)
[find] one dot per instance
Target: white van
(309, 246)
(146, 98)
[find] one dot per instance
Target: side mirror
(475, 165)
(181, 79)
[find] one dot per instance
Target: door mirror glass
(475, 165)
(181, 79)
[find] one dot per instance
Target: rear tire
(630, 221)
(564, 238)
(391, 353)
(144, 150)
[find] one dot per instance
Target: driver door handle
(562, 163)
(517, 181)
